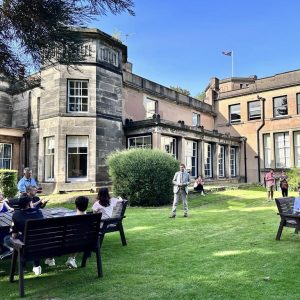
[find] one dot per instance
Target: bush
(8, 182)
(293, 179)
(143, 176)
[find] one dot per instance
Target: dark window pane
(82, 149)
(72, 150)
(77, 165)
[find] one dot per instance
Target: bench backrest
(14, 203)
(285, 205)
(59, 236)
(119, 209)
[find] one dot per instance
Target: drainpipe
(245, 158)
(27, 134)
(262, 100)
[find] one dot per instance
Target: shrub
(8, 182)
(143, 176)
(293, 179)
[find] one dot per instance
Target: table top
(5, 218)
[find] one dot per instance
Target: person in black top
(37, 202)
(19, 218)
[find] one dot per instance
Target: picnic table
(6, 218)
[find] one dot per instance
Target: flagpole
(231, 63)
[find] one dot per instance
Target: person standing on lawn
(181, 181)
(283, 181)
(270, 184)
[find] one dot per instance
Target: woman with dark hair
(104, 203)
(283, 181)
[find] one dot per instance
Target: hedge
(143, 176)
(293, 179)
(8, 182)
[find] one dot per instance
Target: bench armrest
(17, 244)
(111, 220)
(294, 216)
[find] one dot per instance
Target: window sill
(281, 117)
(236, 123)
(256, 120)
(73, 180)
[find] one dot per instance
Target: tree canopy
(28, 27)
(180, 90)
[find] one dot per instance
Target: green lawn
(226, 249)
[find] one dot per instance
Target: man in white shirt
(181, 181)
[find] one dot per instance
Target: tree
(29, 27)
(180, 90)
(201, 96)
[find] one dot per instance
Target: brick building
(66, 125)
(267, 112)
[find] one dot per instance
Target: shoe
(50, 262)
(71, 263)
(37, 270)
(185, 215)
(173, 216)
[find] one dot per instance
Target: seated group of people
(30, 207)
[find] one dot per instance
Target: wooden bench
(288, 218)
(55, 237)
(115, 223)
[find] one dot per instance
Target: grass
(226, 249)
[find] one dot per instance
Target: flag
(228, 53)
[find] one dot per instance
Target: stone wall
(109, 130)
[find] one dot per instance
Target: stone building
(66, 125)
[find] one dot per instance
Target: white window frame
(221, 161)
(282, 149)
(297, 148)
(143, 144)
(79, 97)
(207, 151)
(149, 110)
(191, 157)
(2, 158)
(195, 119)
(171, 143)
(81, 178)
(231, 107)
(232, 161)
(49, 156)
(267, 150)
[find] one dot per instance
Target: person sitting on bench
(104, 203)
(19, 218)
(36, 201)
(81, 204)
(4, 207)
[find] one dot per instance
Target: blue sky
(180, 43)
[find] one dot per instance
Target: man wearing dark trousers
(19, 218)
